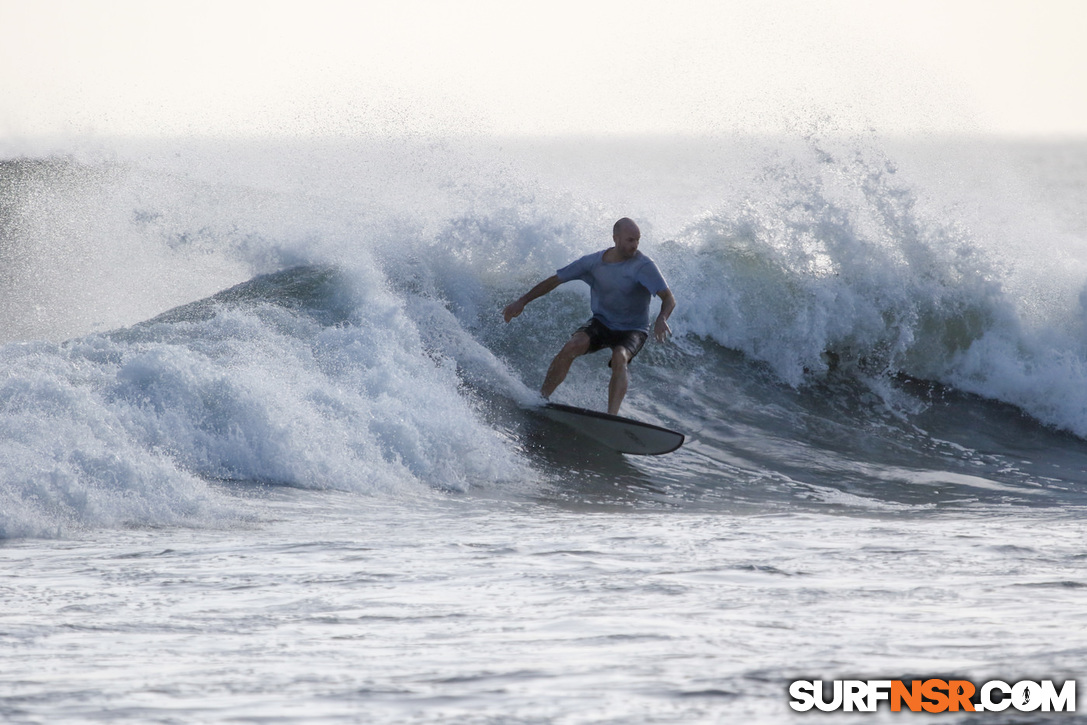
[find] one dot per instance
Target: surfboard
(624, 435)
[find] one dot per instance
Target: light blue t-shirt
(620, 291)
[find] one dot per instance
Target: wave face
(859, 326)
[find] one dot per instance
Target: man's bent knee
(620, 356)
(576, 345)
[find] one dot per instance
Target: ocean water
(267, 452)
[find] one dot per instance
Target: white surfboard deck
(620, 434)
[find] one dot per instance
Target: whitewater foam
(382, 364)
(129, 427)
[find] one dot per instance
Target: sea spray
(832, 264)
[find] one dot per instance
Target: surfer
(622, 282)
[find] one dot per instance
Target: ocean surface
(268, 453)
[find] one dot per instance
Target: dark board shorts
(601, 336)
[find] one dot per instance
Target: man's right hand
(513, 309)
(518, 306)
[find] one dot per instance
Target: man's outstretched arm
(513, 309)
(661, 329)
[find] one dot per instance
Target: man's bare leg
(577, 345)
(620, 379)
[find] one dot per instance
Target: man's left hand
(661, 330)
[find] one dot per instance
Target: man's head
(626, 234)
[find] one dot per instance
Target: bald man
(622, 281)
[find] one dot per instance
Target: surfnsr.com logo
(932, 695)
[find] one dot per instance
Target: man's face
(626, 240)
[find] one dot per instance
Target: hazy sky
(544, 67)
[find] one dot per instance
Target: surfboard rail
(624, 435)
